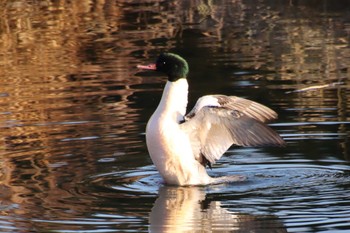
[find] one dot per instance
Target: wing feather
(248, 107)
(213, 129)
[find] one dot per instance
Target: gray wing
(213, 129)
(250, 108)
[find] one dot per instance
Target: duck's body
(168, 144)
(182, 145)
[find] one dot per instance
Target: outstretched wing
(250, 108)
(214, 125)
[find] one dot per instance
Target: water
(73, 109)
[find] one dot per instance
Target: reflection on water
(73, 111)
(186, 209)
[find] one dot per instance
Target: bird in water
(182, 145)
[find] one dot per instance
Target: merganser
(181, 146)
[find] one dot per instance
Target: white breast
(168, 145)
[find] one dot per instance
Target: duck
(182, 146)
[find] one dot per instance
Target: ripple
(303, 195)
(274, 176)
(143, 182)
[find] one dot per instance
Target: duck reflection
(186, 209)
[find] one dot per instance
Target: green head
(171, 64)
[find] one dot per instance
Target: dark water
(73, 109)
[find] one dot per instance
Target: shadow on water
(73, 110)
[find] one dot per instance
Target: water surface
(73, 111)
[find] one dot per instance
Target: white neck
(174, 99)
(168, 144)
